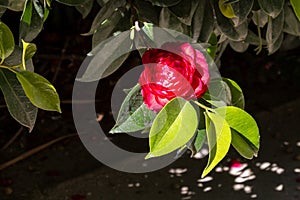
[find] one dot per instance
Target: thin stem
(9, 68)
(204, 106)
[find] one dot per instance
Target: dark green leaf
(203, 21)
(71, 2)
(106, 11)
(272, 48)
(168, 20)
(200, 139)
(39, 91)
(271, 7)
(185, 11)
(106, 28)
(227, 27)
(275, 28)
(7, 42)
(105, 57)
(296, 7)
(212, 50)
(15, 5)
(102, 2)
(237, 96)
(147, 12)
(29, 31)
(242, 145)
(85, 8)
(164, 3)
(27, 12)
(242, 122)
(19, 106)
(172, 128)
(260, 18)
(291, 23)
(134, 114)
(253, 39)
(241, 9)
(239, 46)
(219, 139)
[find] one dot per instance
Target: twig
(13, 138)
(33, 151)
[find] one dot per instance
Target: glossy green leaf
(71, 2)
(164, 3)
(105, 57)
(172, 128)
(27, 12)
(106, 28)
(184, 11)
(39, 90)
(18, 104)
(85, 8)
(242, 145)
(271, 7)
(106, 11)
(219, 139)
(29, 50)
(242, 122)
(203, 22)
(237, 96)
(7, 42)
(227, 27)
(226, 9)
(241, 9)
(134, 114)
(296, 7)
(29, 31)
(291, 22)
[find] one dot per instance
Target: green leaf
(242, 122)
(237, 96)
(29, 31)
(226, 9)
(7, 42)
(18, 104)
(85, 8)
(219, 139)
(260, 18)
(106, 28)
(219, 93)
(164, 3)
(106, 11)
(253, 39)
(296, 7)
(240, 47)
(172, 128)
(200, 139)
(15, 5)
(71, 2)
(27, 12)
(168, 20)
(147, 12)
(241, 9)
(184, 11)
(39, 91)
(105, 57)
(291, 22)
(273, 47)
(275, 28)
(203, 21)
(242, 145)
(271, 7)
(134, 114)
(226, 26)
(29, 50)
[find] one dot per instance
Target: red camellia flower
(174, 70)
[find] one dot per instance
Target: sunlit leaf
(296, 7)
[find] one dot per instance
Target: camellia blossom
(175, 70)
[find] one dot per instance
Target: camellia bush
(176, 100)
